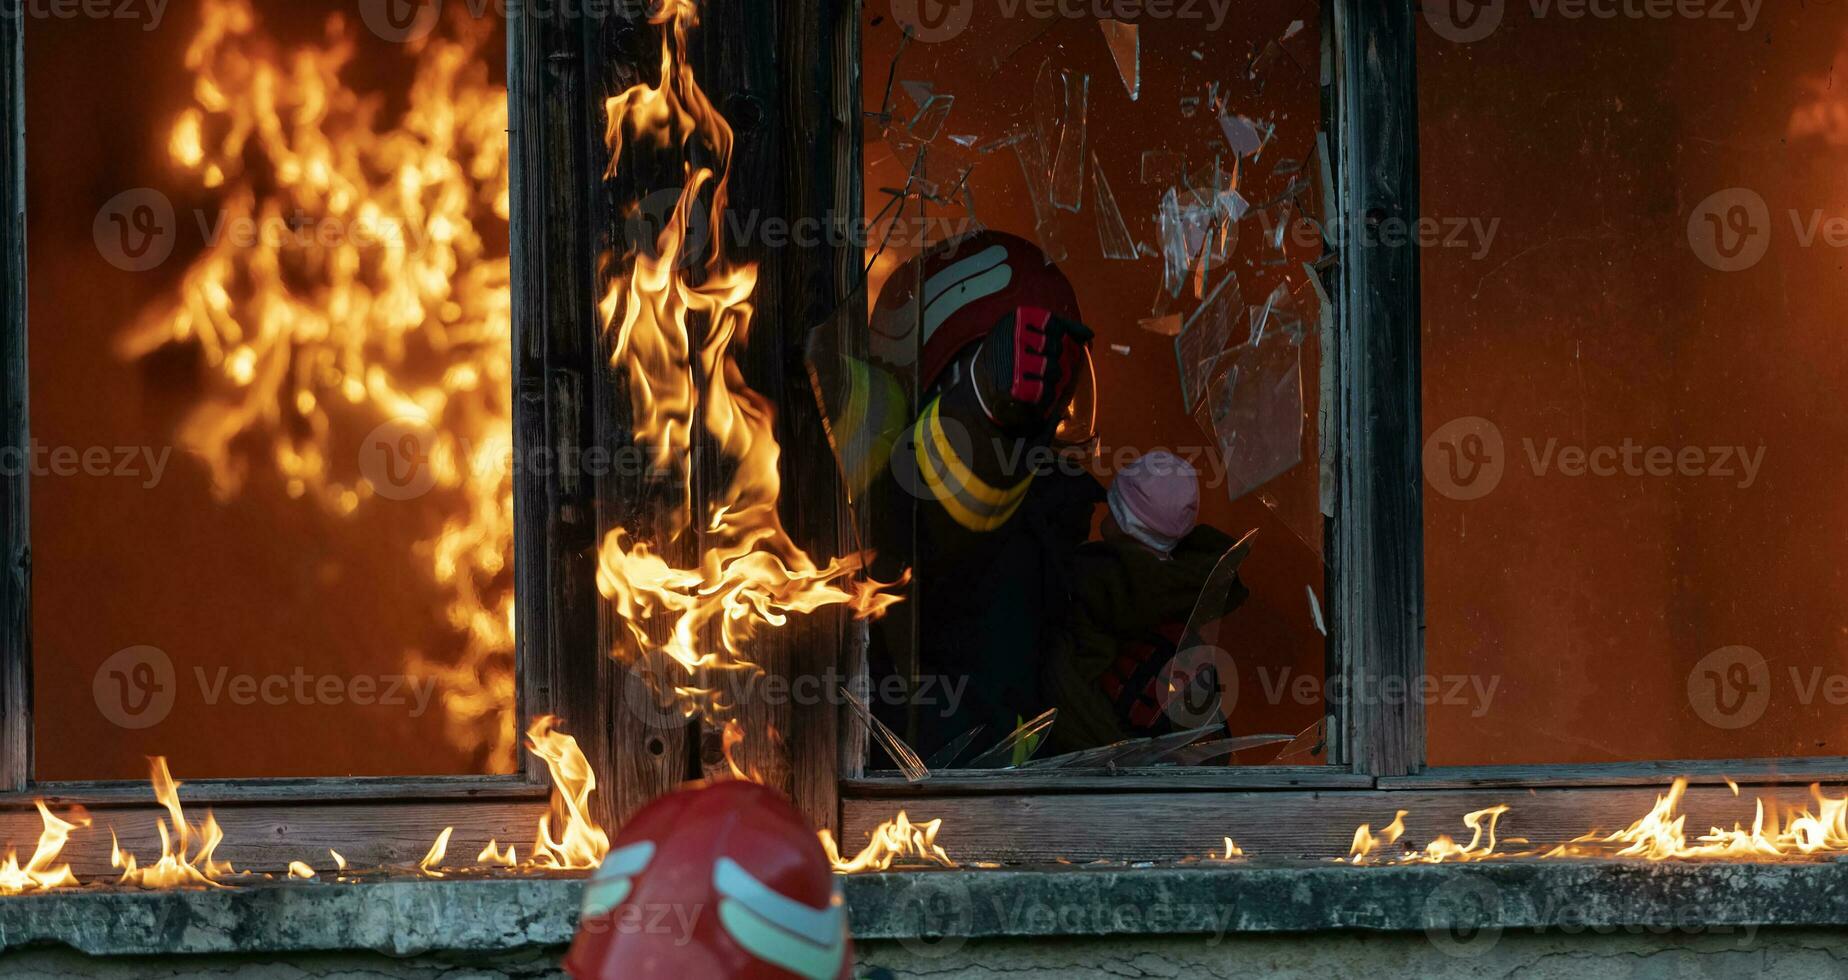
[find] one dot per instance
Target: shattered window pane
(1170, 176)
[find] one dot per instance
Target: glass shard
(1190, 104)
(1195, 232)
(1019, 746)
(929, 120)
(1310, 748)
(1122, 349)
(1112, 231)
(920, 93)
(964, 140)
(1068, 164)
(1203, 339)
(1125, 42)
(1257, 406)
(1244, 136)
(947, 756)
(1213, 603)
(1315, 611)
(1033, 170)
(907, 760)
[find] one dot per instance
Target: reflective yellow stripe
(973, 503)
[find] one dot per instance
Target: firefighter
(719, 879)
(978, 482)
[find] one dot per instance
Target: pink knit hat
(1156, 500)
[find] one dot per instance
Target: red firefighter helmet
(937, 307)
(722, 879)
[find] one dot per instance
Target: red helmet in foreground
(722, 879)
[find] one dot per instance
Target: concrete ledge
(411, 917)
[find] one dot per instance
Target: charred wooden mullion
(1377, 556)
(15, 510)
(559, 365)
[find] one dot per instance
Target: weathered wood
(15, 510)
(267, 838)
(1698, 772)
(1273, 825)
(1376, 568)
(554, 95)
(312, 790)
(998, 782)
(820, 53)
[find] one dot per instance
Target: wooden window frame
(794, 101)
(1375, 583)
(374, 821)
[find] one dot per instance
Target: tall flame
(677, 325)
(580, 843)
(41, 873)
(179, 863)
(370, 296)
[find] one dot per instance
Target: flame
(1445, 849)
(492, 855)
(339, 861)
(581, 844)
(734, 737)
(435, 855)
(300, 869)
(368, 296)
(179, 865)
(677, 324)
(1365, 844)
(1659, 835)
(40, 873)
(892, 841)
(1232, 851)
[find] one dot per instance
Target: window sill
(411, 917)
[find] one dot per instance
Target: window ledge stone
(412, 917)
